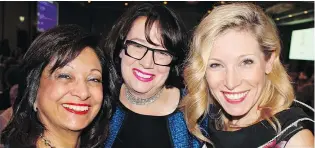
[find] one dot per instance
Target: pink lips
(234, 101)
(135, 70)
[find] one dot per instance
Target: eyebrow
(241, 56)
(215, 59)
(145, 42)
(69, 66)
(138, 39)
(96, 70)
(244, 55)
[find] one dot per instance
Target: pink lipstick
(142, 76)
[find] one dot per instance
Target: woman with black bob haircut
(148, 45)
(171, 29)
(64, 97)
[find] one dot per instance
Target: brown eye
(248, 62)
(95, 80)
(63, 76)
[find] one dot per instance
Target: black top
(143, 131)
(260, 133)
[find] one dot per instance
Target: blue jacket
(180, 135)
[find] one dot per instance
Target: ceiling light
(165, 2)
(126, 4)
(22, 18)
(89, 1)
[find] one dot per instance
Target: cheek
(163, 70)
(125, 60)
(46, 88)
(97, 94)
(255, 76)
(214, 79)
(126, 63)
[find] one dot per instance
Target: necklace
(46, 141)
(139, 101)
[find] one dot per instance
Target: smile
(76, 108)
(142, 76)
(235, 97)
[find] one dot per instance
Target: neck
(133, 99)
(141, 95)
(166, 104)
(59, 139)
(238, 122)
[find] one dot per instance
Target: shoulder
(294, 120)
(303, 138)
(294, 115)
(296, 127)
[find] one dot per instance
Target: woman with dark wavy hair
(64, 92)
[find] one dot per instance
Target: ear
(121, 54)
(269, 64)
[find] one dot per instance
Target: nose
(81, 90)
(147, 60)
(232, 79)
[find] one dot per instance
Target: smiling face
(143, 77)
(236, 72)
(71, 96)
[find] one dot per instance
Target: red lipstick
(70, 107)
(234, 101)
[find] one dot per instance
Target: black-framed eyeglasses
(138, 51)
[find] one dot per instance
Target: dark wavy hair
(171, 28)
(63, 44)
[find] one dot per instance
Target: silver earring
(35, 107)
(214, 115)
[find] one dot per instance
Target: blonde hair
(277, 94)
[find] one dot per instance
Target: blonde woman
(234, 68)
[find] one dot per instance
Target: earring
(35, 107)
(214, 115)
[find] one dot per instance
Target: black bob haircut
(171, 29)
(63, 44)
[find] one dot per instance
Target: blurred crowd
(302, 77)
(9, 60)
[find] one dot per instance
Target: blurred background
(21, 22)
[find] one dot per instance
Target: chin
(77, 128)
(141, 88)
(236, 112)
(76, 125)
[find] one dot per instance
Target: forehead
(234, 43)
(137, 30)
(87, 59)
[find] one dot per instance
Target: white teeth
(235, 96)
(143, 75)
(76, 108)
